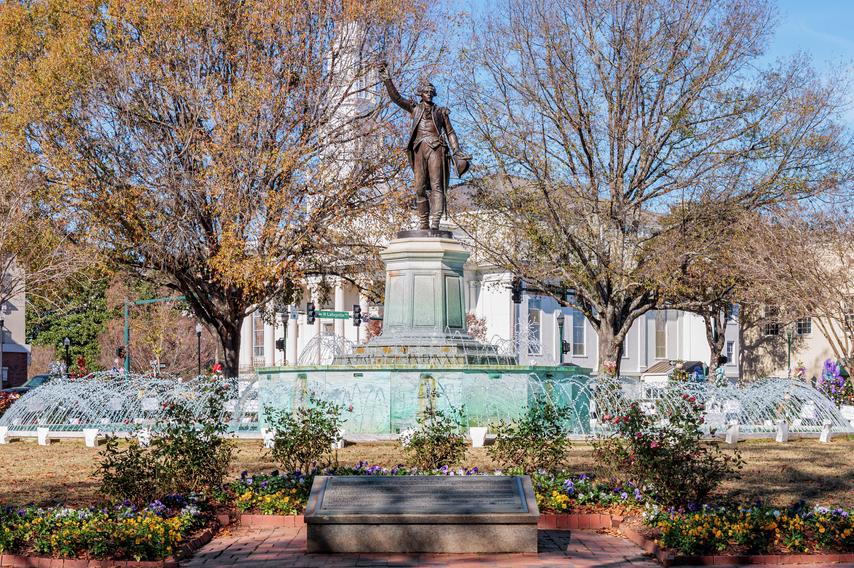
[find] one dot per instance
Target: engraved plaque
(422, 495)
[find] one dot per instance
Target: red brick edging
(667, 558)
(187, 548)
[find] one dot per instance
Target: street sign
(331, 314)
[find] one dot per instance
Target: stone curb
(669, 559)
(187, 549)
(271, 521)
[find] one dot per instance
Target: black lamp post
(2, 341)
(67, 343)
(560, 321)
(199, 347)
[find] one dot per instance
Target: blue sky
(823, 29)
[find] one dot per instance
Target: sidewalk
(285, 547)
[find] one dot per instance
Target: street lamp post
(789, 333)
(67, 343)
(561, 318)
(199, 347)
(2, 341)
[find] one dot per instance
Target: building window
(535, 316)
(772, 326)
(803, 326)
(661, 334)
(257, 336)
(578, 346)
(730, 351)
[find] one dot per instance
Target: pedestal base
(425, 316)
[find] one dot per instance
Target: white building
(15, 350)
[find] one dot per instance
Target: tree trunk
(610, 347)
(229, 337)
(715, 320)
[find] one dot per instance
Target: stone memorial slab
(463, 514)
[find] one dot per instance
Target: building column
(246, 343)
(269, 344)
(339, 306)
(361, 332)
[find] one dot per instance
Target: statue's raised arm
(406, 104)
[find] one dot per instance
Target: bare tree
(36, 254)
(218, 144)
(805, 269)
(598, 116)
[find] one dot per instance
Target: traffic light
(516, 290)
(357, 315)
(310, 313)
(120, 352)
(280, 344)
(564, 346)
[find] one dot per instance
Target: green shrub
(437, 441)
(189, 454)
(537, 440)
(303, 438)
(669, 457)
(194, 454)
(131, 473)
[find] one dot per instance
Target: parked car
(34, 382)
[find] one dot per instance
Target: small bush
(190, 454)
(437, 441)
(131, 473)
(194, 453)
(537, 440)
(668, 458)
(303, 438)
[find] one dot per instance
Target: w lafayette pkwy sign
(332, 314)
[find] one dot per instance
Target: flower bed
(753, 530)
(121, 532)
(287, 493)
(562, 492)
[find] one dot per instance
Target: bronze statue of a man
(429, 154)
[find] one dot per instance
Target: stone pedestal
(424, 320)
(424, 287)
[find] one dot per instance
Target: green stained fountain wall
(389, 400)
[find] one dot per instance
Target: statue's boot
(423, 213)
(437, 207)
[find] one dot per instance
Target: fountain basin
(388, 399)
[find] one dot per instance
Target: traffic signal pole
(126, 310)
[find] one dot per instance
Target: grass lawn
(781, 473)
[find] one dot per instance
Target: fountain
(424, 358)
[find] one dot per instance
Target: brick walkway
(285, 547)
